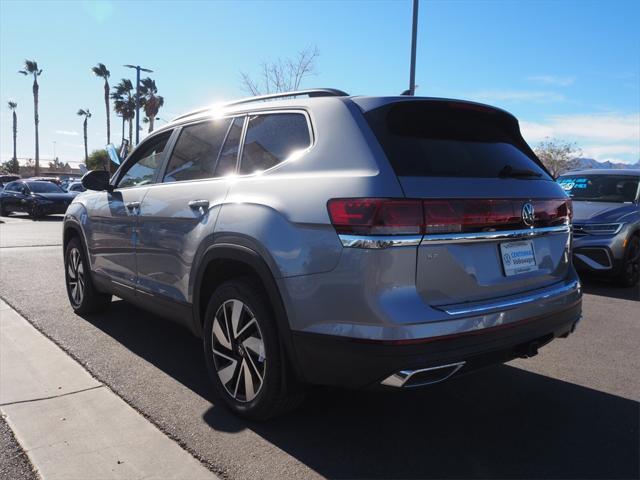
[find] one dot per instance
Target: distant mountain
(591, 163)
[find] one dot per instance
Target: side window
(196, 151)
(271, 139)
(229, 154)
(11, 187)
(143, 166)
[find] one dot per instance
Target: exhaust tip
(422, 376)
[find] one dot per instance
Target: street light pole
(138, 69)
(414, 39)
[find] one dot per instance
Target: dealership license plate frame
(523, 263)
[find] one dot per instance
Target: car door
(181, 210)
(11, 197)
(112, 216)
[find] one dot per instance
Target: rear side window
(450, 139)
(229, 154)
(271, 139)
(196, 152)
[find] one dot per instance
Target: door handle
(199, 204)
(133, 205)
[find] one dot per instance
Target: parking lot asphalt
(571, 412)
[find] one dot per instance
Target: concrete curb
(72, 426)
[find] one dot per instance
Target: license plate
(518, 257)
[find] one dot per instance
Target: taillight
(376, 216)
(383, 216)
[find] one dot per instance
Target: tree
(11, 166)
(557, 155)
(124, 104)
(56, 164)
(98, 159)
(12, 106)
(31, 68)
(150, 100)
(281, 75)
(87, 115)
(101, 71)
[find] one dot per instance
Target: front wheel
(243, 352)
(630, 274)
(83, 296)
(3, 211)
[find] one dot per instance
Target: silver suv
(319, 238)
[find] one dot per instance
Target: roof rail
(314, 92)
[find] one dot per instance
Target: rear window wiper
(509, 171)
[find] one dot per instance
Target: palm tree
(31, 68)
(87, 115)
(12, 106)
(101, 71)
(150, 101)
(125, 104)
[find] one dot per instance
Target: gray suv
(606, 222)
(318, 238)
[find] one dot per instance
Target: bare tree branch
(281, 75)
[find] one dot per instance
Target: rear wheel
(34, 212)
(83, 296)
(630, 274)
(243, 352)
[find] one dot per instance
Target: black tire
(34, 212)
(3, 211)
(630, 274)
(273, 395)
(83, 296)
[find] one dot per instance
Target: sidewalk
(70, 425)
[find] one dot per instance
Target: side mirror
(96, 180)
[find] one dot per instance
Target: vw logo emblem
(528, 214)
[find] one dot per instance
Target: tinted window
(600, 188)
(196, 151)
(450, 139)
(229, 154)
(143, 166)
(44, 187)
(12, 187)
(271, 139)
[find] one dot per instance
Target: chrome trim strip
(433, 239)
(377, 242)
(399, 379)
(535, 297)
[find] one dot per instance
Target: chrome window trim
(516, 302)
(433, 239)
(379, 241)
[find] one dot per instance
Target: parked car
(4, 179)
(55, 180)
(606, 238)
(76, 187)
(319, 238)
(37, 198)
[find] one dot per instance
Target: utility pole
(414, 39)
(138, 69)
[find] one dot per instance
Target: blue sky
(566, 69)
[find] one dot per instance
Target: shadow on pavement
(500, 422)
(606, 288)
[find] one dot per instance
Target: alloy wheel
(238, 350)
(75, 270)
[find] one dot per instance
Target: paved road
(571, 412)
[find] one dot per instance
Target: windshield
(44, 187)
(600, 188)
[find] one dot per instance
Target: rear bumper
(358, 363)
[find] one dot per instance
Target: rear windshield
(451, 139)
(600, 188)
